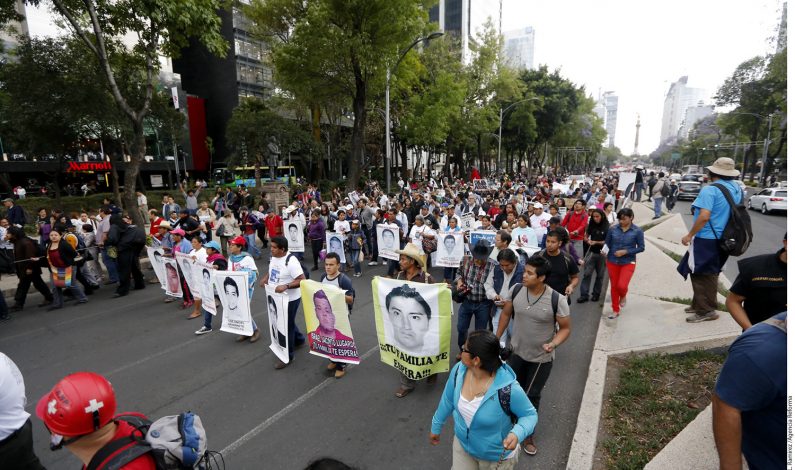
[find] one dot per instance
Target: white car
(768, 200)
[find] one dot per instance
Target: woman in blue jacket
(491, 412)
(624, 240)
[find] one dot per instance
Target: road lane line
(281, 413)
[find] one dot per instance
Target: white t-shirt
(342, 226)
(415, 235)
(200, 254)
(280, 273)
(540, 224)
(12, 398)
(468, 408)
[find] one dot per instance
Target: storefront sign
(88, 166)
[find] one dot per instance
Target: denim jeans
(495, 323)
(658, 206)
(353, 260)
(208, 319)
(57, 294)
(465, 312)
(110, 265)
(252, 248)
(294, 337)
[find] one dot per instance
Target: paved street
(260, 417)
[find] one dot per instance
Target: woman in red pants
(624, 241)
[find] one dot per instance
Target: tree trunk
(258, 171)
(316, 137)
(137, 150)
(357, 139)
(404, 158)
(114, 179)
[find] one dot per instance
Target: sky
(635, 48)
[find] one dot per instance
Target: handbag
(61, 277)
(429, 245)
(219, 232)
(459, 295)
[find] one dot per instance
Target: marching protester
(60, 258)
(286, 273)
(487, 430)
(316, 231)
(213, 251)
(128, 240)
(226, 229)
(575, 221)
(536, 333)
(334, 277)
(108, 257)
(28, 269)
(197, 253)
(499, 283)
(704, 260)
(241, 260)
(14, 213)
(470, 283)
(563, 274)
(624, 241)
(594, 262)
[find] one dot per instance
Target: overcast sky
(635, 48)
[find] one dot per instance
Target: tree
(161, 27)
(330, 48)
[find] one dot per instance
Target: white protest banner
(624, 180)
(277, 319)
(387, 237)
(295, 236)
(173, 284)
(335, 243)
(477, 235)
(328, 329)
(156, 259)
(232, 287)
(186, 265)
(203, 274)
(450, 249)
(480, 185)
(354, 197)
(467, 221)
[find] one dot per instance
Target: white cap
(538, 205)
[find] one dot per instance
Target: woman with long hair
(60, 258)
(491, 412)
(595, 234)
(624, 241)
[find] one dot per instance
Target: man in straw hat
(412, 268)
(705, 259)
(472, 279)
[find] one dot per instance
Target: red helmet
(79, 404)
(238, 240)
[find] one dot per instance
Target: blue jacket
(499, 276)
(632, 240)
(490, 425)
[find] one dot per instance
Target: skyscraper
(607, 109)
(677, 100)
(518, 48)
(8, 34)
(693, 114)
(464, 19)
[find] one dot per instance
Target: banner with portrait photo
(156, 260)
(413, 322)
(327, 325)
(354, 197)
(232, 289)
(450, 249)
(277, 320)
(477, 235)
(388, 238)
(186, 265)
(173, 285)
(295, 236)
(468, 221)
(203, 274)
(480, 185)
(335, 243)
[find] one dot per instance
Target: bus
(232, 178)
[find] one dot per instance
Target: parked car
(769, 200)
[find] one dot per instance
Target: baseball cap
(214, 245)
(538, 205)
(179, 232)
(238, 240)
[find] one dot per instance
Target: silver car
(768, 200)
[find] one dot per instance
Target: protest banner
(156, 259)
(327, 325)
(232, 287)
(277, 319)
(524, 236)
(468, 221)
(624, 180)
(387, 237)
(335, 244)
(477, 235)
(203, 274)
(295, 236)
(173, 285)
(413, 323)
(450, 249)
(186, 266)
(480, 185)
(354, 197)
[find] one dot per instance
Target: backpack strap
(504, 396)
(725, 191)
(555, 302)
(118, 453)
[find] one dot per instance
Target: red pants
(620, 275)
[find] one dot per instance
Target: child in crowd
(356, 243)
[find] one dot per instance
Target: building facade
(607, 109)
(677, 100)
(464, 19)
(519, 47)
(693, 114)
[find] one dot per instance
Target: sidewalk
(650, 324)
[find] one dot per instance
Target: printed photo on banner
(450, 249)
(173, 285)
(335, 244)
(354, 197)
(388, 241)
(203, 274)
(522, 237)
(326, 315)
(156, 259)
(477, 235)
(413, 325)
(277, 320)
(186, 265)
(467, 221)
(233, 292)
(295, 236)
(480, 185)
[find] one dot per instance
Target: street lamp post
(499, 137)
(386, 110)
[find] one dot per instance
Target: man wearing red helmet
(79, 414)
(16, 437)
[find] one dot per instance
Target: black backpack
(665, 191)
(738, 233)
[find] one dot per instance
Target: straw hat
(414, 253)
(724, 166)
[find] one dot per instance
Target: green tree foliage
(327, 48)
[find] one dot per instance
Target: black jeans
(16, 451)
(317, 246)
(128, 264)
(24, 285)
(532, 376)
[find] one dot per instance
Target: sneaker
(383, 263)
(690, 310)
(168, 300)
(613, 315)
(698, 318)
(339, 374)
(203, 331)
(357, 275)
(372, 263)
(595, 298)
(582, 300)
